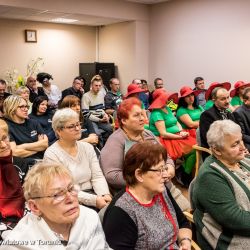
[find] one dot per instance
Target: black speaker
(88, 70)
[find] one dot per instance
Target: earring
(39, 217)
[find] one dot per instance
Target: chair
(189, 216)
(199, 161)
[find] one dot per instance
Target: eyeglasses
(73, 126)
(22, 107)
(159, 171)
(61, 195)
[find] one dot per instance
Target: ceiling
(43, 15)
(148, 1)
(9, 12)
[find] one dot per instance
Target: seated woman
(51, 90)
(128, 222)
(208, 96)
(177, 142)
(134, 90)
(79, 157)
(88, 134)
(188, 112)
(24, 92)
(41, 114)
(131, 131)
(11, 193)
(221, 191)
(27, 138)
(56, 217)
(237, 93)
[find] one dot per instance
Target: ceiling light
(63, 20)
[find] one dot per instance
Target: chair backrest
(199, 161)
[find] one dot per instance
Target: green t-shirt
(236, 101)
(209, 104)
(193, 113)
(169, 120)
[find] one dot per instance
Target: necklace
(138, 138)
(242, 173)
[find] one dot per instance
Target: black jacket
(206, 119)
(242, 117)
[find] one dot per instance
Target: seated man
(219, 111)
(113, 98)
(31, 84)
(93, 108)
(242, 117)
(75, 90)
(26, 135)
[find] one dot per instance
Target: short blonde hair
(22, 90)
(40, 176)
(4, 126)
(11, 104)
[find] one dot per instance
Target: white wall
(126, 44)
(62, 47)
(190, 38)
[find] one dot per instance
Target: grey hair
(218, 130)
(61, 117)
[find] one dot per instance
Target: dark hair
(246, 91)
(68, 101)
(157, 79)
(197, 79)
(38, 100)
(143, 81)
(2, 81)
(182, 103)
(41, 76)
(125, 107)
(142, 155)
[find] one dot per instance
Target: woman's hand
(185, 245)
(107, 198)
(184, 134)
(101, 202)
(92, 138)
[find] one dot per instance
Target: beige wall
(61, 46)
(200, 38)
(125, 44)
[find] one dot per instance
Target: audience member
(11, 193)
(177, 142)
(113, 98)
(200, 85)
(189, 112)
(79, 157)
(27, 138)
(221, 191)
(145, 205)
(142, 95)
(158, 84)
(3, 95)
(56, 217)
(76, 89)
(208, 94)
(51, 90)
(24, 92)
(35, 91)
(237, 94)
(43, 116)
(93, 109)
(133, 90)
(88, 132)
(242, 117)
(131, 131)
(144, 85)
(219, 111)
